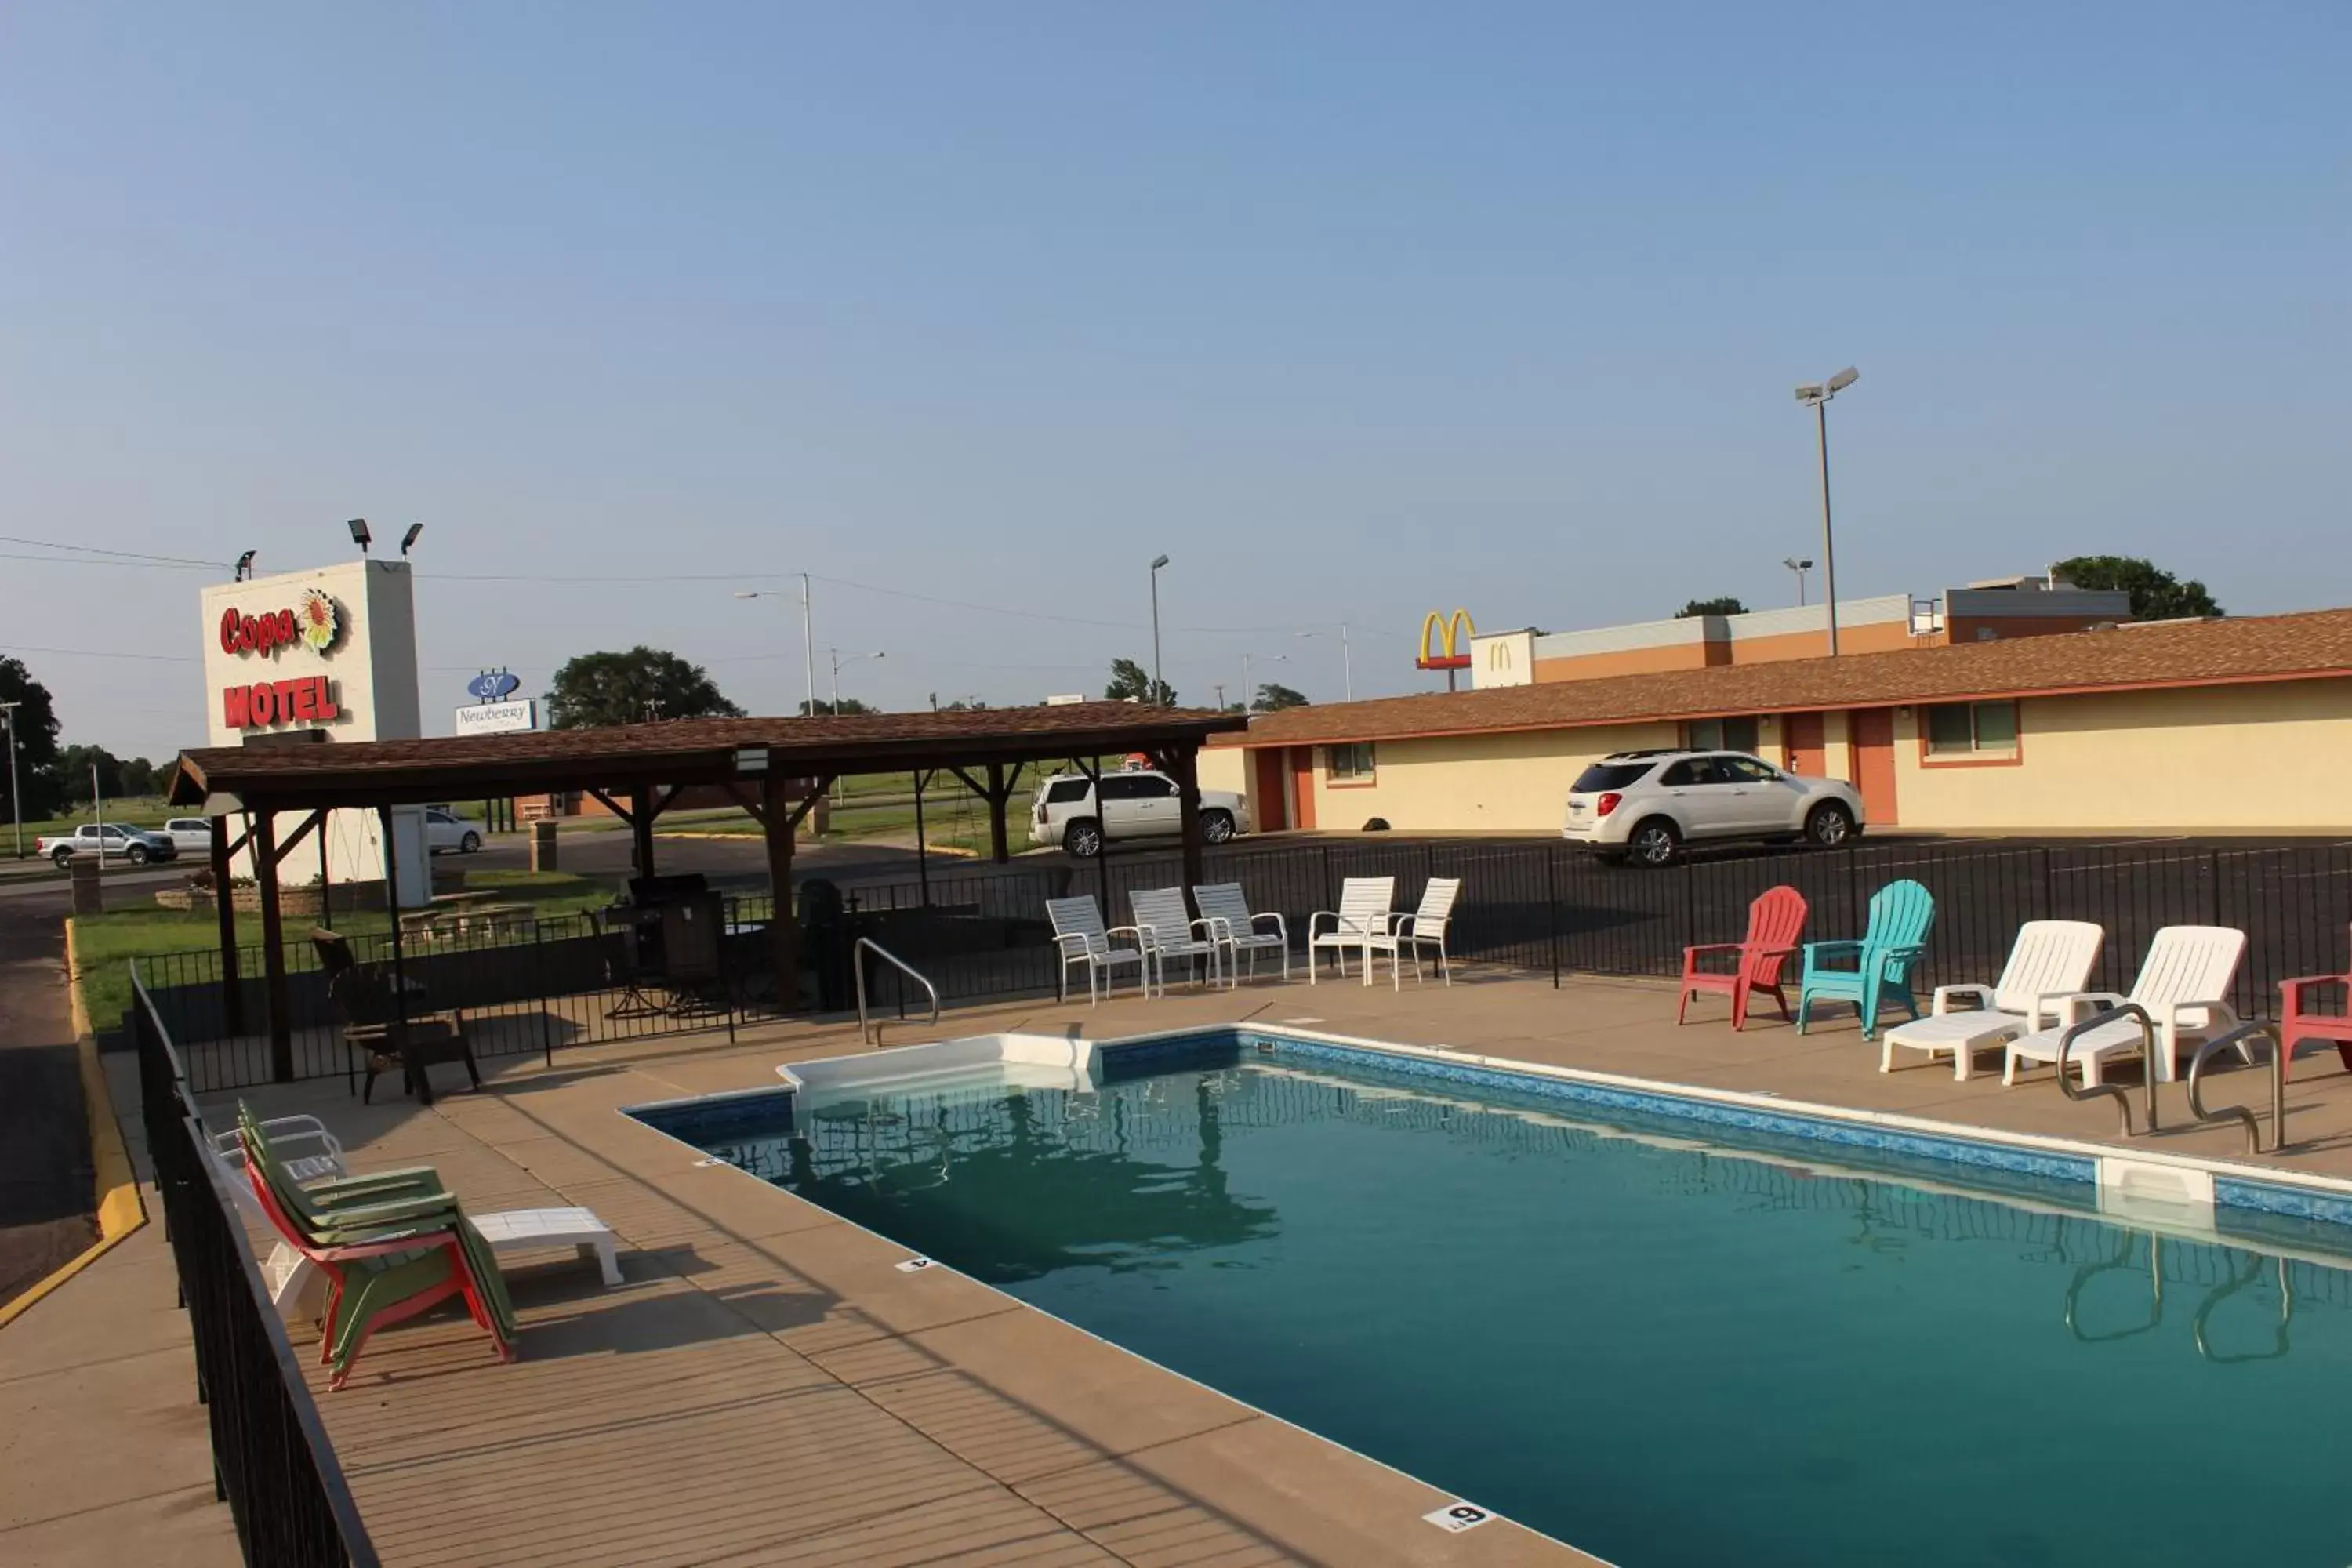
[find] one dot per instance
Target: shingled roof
(682, 751)
(2122, 658)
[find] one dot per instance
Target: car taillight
(1606, 803)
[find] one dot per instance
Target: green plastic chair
(1900, 914)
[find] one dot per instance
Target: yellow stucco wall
(2257, 758)
(2220, 759)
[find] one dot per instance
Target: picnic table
(493, 916)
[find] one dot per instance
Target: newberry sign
(493, 713)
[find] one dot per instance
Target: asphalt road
(46, 1179)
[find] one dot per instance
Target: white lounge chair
(293, 1278)
(1226, 909)
(1364, 911)
(1169, 930)
(2051, 962)
(1079, 937)
(2182, 985)
(1425, 927)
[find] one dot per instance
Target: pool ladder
(2230, 1041)
(870, 1030)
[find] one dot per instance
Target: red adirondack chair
(2299, 1020)
(1775, 921)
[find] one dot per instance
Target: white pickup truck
(107, 841)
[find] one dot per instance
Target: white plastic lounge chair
(1363, 910)
(1225, 908)
(2182, 985)
(292, 1278)
(1079, 936)
(1169, 930)
(2051, 962)
(1425, 927)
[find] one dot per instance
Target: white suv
(1136, 804)
(1644, 806)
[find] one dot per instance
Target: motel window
(1972, 729)
(1723, 734)
(1353, 763)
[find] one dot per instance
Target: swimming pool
(1660, 1339)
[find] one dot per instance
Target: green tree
(1128, 680)
(2155, 594)
(596, 689)
(35, 720)
(1727, 604)
(76, 766)
(137, 775)
(1273, 697)
(847, 705)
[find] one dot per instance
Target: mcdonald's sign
(1452, 636)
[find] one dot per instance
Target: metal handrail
(2148, 1060)
(872, 1033)
(2241, 1114)
(2230, 1288)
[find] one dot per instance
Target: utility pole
(1816, 397)
(16, 795)
(1158, 685)
(808, 643)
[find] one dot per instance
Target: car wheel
(1083, 838)
(468, 845)
(1216, 827)
(62, 860)
(1655, 843)
(136, 854)
(1828, 825)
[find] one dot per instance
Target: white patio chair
(1079, 938)
(2182, 985)
(1226, 909)
(1363, 910)
(1425, 927)
(293, 1278)
(2052, 961)
(1169, 930)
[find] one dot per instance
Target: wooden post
(391, 908)
(224, 915)
(922, 850)
(778, 820)
(641, 829)
(999, 793)
(1184, 762)
(273, 948)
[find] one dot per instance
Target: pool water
(1659, 1350)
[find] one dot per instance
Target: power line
(96, 550)
(102, 653)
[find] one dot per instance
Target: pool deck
(768, 1387)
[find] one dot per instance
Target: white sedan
(445, 830)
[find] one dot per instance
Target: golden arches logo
(1453, 635)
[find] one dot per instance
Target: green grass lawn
(104, 944)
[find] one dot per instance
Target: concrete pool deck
(767, 1386)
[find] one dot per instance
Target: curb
(119, 1210)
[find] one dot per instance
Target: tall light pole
(15, 798)
(1800, 568)
(808, 640)
(1347, 661)
(1158, 685)
(1249, 697)
(838, 662)
(1816, 397)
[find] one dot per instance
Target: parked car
(189, 835)
(1137, 803)
(1645, 805)
(444, 830)
(107, 841)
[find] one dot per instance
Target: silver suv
(1138, 802)
(1645, 805)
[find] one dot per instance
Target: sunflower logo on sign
(316, 621)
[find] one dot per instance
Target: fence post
(1551, 907)
(2212, 886)
(539, 989)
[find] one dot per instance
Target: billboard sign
(497, 718)
(494, 686)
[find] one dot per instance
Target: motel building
(2002, 709)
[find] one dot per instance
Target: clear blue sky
(1355, 309)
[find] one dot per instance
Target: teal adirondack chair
(1900, 914)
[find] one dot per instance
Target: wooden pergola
(775, 768)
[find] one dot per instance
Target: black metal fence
(271, 1461)
(981, 931)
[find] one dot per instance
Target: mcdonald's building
(2077, 730)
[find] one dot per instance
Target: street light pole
(835, 654)
(1346, 660)
(16, 798)
(1816, 397)
(1158, 685)
(808, 642)
(1249, 697)
(1800, 568)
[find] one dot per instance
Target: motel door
(1873, 730)
(1268, 787)
(1801, 737)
